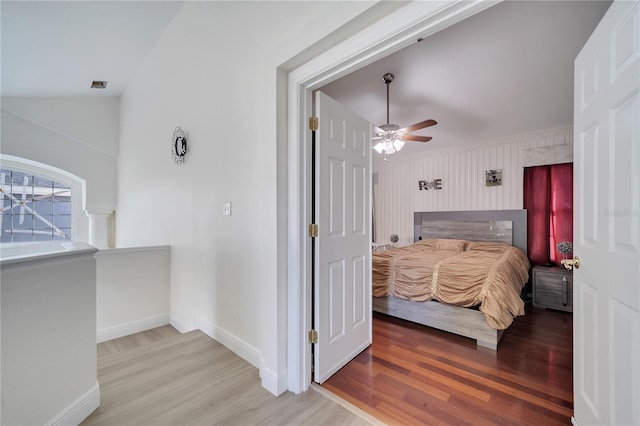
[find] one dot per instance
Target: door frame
(399, 29)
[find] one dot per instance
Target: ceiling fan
(390, 136)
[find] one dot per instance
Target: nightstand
(553, 288)
(377, 248)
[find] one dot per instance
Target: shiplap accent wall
(462, 170)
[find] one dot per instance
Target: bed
(463, 274)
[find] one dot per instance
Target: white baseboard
(241, 348)
(273, 382)
(80, 409)
(181, 324)
(131, 328)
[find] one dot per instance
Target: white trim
(181, 324)
(236, 345)
(109, 251)
(276, 383)
(131, 328)
(574, 422)
(397, 30)
(78, 410)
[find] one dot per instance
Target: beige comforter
(456, 272)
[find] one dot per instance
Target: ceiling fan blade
(377, 129)
(420, 125)
(417, 138)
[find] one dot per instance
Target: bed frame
(508, 226)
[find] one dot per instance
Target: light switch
(226, 209)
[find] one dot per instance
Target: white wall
(78, 134)
(214, 73)
(132, 290)
(462, 170)
(48, 326)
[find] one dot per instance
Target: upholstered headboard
(508, 226)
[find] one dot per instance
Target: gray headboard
(509, 226)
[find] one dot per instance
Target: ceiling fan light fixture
(391, 137)
(389, 144)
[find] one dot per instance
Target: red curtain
(548, 198)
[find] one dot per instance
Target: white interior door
(607, 222)
(342, 292)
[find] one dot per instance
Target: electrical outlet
(226, 209)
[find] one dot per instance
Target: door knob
(571, 263)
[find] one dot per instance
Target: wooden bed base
(454, 319)
(509, 226)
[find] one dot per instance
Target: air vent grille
(98, 84)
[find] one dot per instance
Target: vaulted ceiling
(57, 48)
(505, 71)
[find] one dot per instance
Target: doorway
(375, 42)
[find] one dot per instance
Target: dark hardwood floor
(414, 374)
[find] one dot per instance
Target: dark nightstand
(553, 288)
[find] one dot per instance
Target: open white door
(607, 222)
(342, 293)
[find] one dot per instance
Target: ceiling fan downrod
(388, 78)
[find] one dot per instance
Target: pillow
(426, 243)
(455, 245)
(487, 246)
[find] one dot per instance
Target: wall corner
(274, 382)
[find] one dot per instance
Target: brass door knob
(571, 263)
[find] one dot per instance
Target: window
(548, 198)
(34, 208)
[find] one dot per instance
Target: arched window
(38, 202)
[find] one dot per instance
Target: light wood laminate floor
(162, 377)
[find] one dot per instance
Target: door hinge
(313, 123)
(313, 336)
(313, 230)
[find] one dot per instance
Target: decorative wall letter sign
(427, 185)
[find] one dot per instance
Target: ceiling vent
(96, 84)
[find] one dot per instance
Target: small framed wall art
(493, 177)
